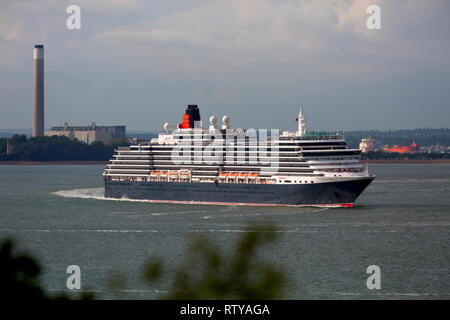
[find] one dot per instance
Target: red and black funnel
(191, 115)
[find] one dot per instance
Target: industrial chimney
(38, 95)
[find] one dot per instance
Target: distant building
(366, 145)
(89, 134)
(413, 148)
(9, 147)
(436, 148)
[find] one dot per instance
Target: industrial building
(366, 145)
(88, 134)
(413, 148)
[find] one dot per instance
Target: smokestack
(38, 95)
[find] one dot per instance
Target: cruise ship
(222, 165)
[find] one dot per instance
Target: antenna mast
(301, 123)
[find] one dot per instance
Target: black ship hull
(336, 193)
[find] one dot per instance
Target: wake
(86, 193)
(99, 194)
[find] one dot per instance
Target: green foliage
(20, 277)
(381, 155)
(207, 272)
(18, 139)
(57, 148)
(423, 137)
(19, 274)
(118, 142)
(2, 145)
(153, 270)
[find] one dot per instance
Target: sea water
(400, 223)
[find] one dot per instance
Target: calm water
(400, 223)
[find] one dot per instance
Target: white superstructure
(191, 153)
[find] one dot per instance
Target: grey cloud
(139, 62)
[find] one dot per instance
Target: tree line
(423, 137)
(56, 148)
(61, 148)
(381, 155)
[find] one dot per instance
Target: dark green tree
(209, 272)
(20, 277)
(2, 145)
(19, 274)
(57, 148)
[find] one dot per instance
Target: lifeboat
(233, 174)
(164, 174)
(184, 173)
(223, 174)
(253, 175)
(243, 175)
(261, 180)
(154, 173)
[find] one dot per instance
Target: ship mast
(301, 123)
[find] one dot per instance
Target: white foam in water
(98, 194)
(92, 193)
(86, 193)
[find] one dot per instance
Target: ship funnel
(190, 117)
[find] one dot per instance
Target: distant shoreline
(82, 162)
(429, 161)
(51, 162)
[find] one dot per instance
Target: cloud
(225, 53)
(243, 28)
(246, 30)
(111, 6)
(287, 31)
(152, 36)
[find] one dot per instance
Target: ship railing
(320, 137)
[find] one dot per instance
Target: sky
(140, 63)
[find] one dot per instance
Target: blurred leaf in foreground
(19, 276)
(209, 272)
